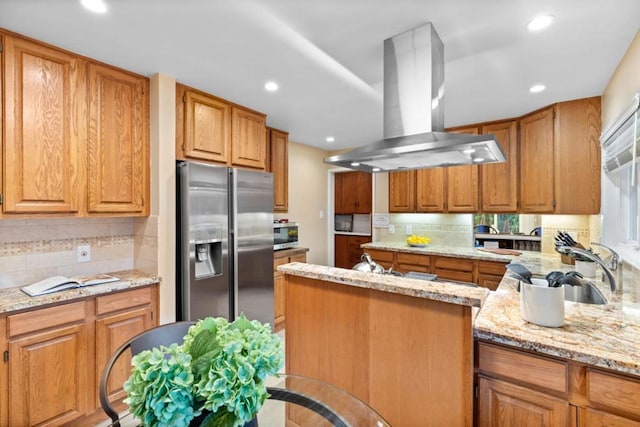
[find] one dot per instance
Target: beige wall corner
(624, 83)
(159, 232)
(308, 197)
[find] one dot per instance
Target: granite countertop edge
(440, 291)
(14, 299)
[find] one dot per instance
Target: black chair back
(160, 335)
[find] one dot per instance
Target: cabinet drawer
(32, 321)
(492, 267)
(413, 259)
(460, 276)
(378, 256)
(450, 263)
(122, 300)
(298, 258)
(612, 391)
(522, 368)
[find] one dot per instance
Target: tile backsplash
(442, 229)
(33, 249)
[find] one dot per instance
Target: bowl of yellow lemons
(417, 241)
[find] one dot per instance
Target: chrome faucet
(593, 257)
(615, 258)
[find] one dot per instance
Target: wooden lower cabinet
(54, 356)
(280, 284)
(119, 318)
(503, 404)
(348, 251)
(486, 274)
(48, 375)
(517, 388)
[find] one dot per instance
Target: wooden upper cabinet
(537, 162)
(402, 191)
(577, 156)
(118, 166)
(352, 194)
(462, 188)
(42, 134)
(500, 180)
(279, 166)
(430, 190)
(248, 138)
(462, 182)
(206, 126)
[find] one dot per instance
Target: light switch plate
(408, 230)
(84, 253)
(391, 228)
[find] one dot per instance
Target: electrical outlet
(392, 228)
(84, 253)
(408, 230)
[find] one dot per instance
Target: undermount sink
(586, 294)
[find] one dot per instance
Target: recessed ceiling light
(97, 6)
(540, 22)
(355, 164)
(478, 159)
(330, 139)
(469, 151)
(537, 88)
(271, 86)
(375, 170)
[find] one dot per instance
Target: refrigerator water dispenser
(208, 259)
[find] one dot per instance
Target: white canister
(541, 304)
(587, 268)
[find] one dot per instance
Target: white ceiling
(326, 55)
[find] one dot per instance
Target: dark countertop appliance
(285, 235)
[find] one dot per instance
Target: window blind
(619, 141)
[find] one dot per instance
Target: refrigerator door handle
(233, 241)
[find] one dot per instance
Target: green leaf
(203, 343)
(241, 323)
(220, 418)
(202, 364)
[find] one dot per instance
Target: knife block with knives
(563, 238)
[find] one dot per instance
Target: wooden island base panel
(404, 348)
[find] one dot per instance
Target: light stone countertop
(438, 291)
(606, 336)
(14, 299)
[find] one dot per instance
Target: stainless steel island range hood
(414, 136)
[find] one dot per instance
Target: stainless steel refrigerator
(224, 242)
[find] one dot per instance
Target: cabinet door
(279, 301)
(48, 376)
(337, 193)
(111, 332)
(248, 139)
(118, 141)
(279, 166)
(355, 192)
(402, 191)
(462, 188)
(363, 195)
(461, 182)
(537, 162)
(41, 129)
(430, 190)
(488, 281)
(298, 258)
(207, 127)
(354, 249)
(503, 404)
(341, 250)
(500, 180)
(577, 157)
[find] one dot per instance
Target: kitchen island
(588, 369)
(404, 346)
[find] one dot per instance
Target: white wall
(308, 199)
